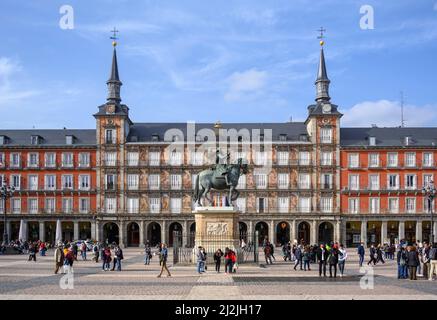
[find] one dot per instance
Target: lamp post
(6, 191)
(429, 192)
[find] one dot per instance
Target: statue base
(216, 228)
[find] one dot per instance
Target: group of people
(417, 259)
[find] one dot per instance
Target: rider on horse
(222, 169)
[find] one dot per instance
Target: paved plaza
(20, 279)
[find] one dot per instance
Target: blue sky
(237, 61)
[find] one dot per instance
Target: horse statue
(219, 177)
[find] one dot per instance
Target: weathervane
(114, 37)
(321, 37)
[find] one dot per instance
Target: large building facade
(133, 182)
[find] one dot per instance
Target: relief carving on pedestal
(216, 228)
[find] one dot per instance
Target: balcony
(110, 163)
(67, 165)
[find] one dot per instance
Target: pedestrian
(379, 254)
(118, 256)
(361, 252)
(163, 260)
(147, 253)
(59, 257)
(342, 256)
(42, 249)
(96, 251)
(432, 261)
(333, 260)
(322, 256)
(32, 252)
(372, 255)
(401, 258)
(106, 258)
(268, 253)
(75, 250)
(229, 260)
(200, 260)
(299, 255)
(69, 259)
(306, 258)
(272, 251)
(218, 259)
(419, 247)
(234, 261)
(83, 250)
(412, 262)
(425, 259)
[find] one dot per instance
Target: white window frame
(155, 204)
(410, 159)
(111, 205)
(67, 208)
(373, 160)
(133, 205)
(283, 204)
(372, 208)
(353, 160)
(49, 205)
(261, 180)
(16, 205)
(304, 181)
(176, 205)
(374, 185)
(430, 162)
(154, 158)
(14, 179)
(133, 181)
(282, 158)
(392, 209)
(87, 207)
(326, 158)
(50, 182)
(392, 159)
(410, 205)
(304, 158)
(84, 160)
(326, 135)
(15, 160)
(133, 158)
(283, 180)
(30, 178)
(34, 156)
(354, 182)
(32, 209)
(175, 181)
(67, 182)
(411, 187)
(46, 158)
(241, 204)
(393, 187)
(154, 181)
(84, 178)
(304, 204)
(354, 205)
(65, 157)
(326, 204)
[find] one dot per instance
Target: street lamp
(429, 192)
(6, 191)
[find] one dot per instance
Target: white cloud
(243, 84)
(385, 113)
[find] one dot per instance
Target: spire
(322, 81)
(114, 82)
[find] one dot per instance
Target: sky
(203, 61)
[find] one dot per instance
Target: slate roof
(50, 137)
(388, 137)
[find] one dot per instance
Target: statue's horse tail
(196, 189)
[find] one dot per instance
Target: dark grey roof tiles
(50, 137)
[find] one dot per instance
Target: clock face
(326, 108)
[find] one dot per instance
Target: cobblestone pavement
(20, 279)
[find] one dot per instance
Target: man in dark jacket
(401, 258)
(333, 261)
(322, 256)
(412, 261)
(361, 252)
(298, 254)
(372, 255)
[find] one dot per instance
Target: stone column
(337, 236)
(42, 231)
(185, 234)
(383, 231)
(146, 235)
(121, 235)
(272, 233)
(364, 232)
(142, 242)
(93, 230)
(419, 230)
(313, 233)
(76, 230)
(8, 230)
(164, 232)
(401, 230)
(293, 230)
(99, 232)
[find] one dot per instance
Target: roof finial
(114, 37)
(321, 37)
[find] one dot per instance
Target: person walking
(75, 250)
(268, 253)
(412, 262)
(32, 252)
(401, 259)
(163, 260)
(372, 255)
(42, 249)
(200, 260)
(342, 259)
(96, 251)
(106, 258)
(83, 249)
(425, 259)
(333, 260)
(379, 254)
(147, 253)
(69, 259)
(299, 255)
(432, 261)
(118, 256)
(322, 256)
(59, 257)
(218, 259)
(272, 251)
(306, 258)
(361, 252)
(229, 260)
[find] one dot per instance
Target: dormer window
(34, 140)
(69, 140)
(372, 141)
(261, 137)
(408, 140)
(303, 137)
(3, 140)
(282, 137)
(155, 137)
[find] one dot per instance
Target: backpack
(433, 254)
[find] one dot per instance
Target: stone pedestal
(216, 228)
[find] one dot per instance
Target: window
(242, 182)
(84, 160)
(326, 159)
(110, 158)
(175, 181)
(67, 160)
(154, 181)
(354, 161)
(132, 159)
(241, 204)
(282, 137)
(154, 158)
(410, 159)
(374, 182)
(175, 158)
(32, 205)
(133, 205)
(197, 158)
(304, 158)
(194, 177)
(282, 158)
(410, 181)
(33, 182)
(155, 205)
(426, 205)
(84, 205)
(283, 180)
(326, 181)
(110, 181)
(15, 161)
(410, 205)
(392, 159)
(50, 160)
(374, 205)
(132, 181)
(16, 181)
(261, 205)
(326, 135)
(393, 205)
(34, 140)
(393, 181)
(50, 182)
(67, 182)
(427, 159)
(372, 141)
(374, 160)
(84, 182)
(110, 136)
(16, 205)
(326, 204)
(110, 205)
(49, 205)
(427, 178)
(354, 182)
(69, 139)
(304, 204)
(175, 205)
(304, 181)
(261, 180)
(408, 140)
(261, 158)
(32, 160)
(67, 205)
(2, 160)
(354, 205)
(283, 204)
